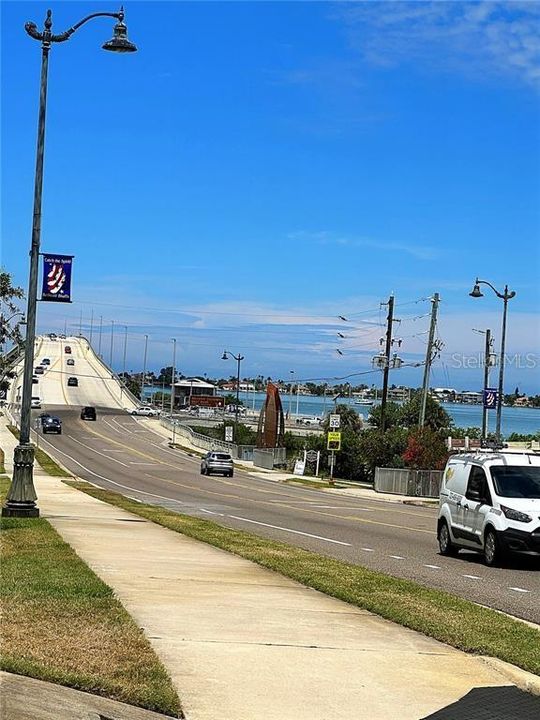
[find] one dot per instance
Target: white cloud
(494, 38)
(325, 237)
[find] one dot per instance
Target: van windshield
(516, 481)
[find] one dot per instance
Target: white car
(490, 503)
(35, 403)
(145, 411)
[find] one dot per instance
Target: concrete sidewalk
(242, 642)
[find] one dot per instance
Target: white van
(490, 502)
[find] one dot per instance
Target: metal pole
(173, 379)
(21, 497)
(501, 367)
(80, 323)
(144, 367)
(297, 396)
(124, 364)
(390, 319)
(429, 358)
(290, 393)
(239, 358)
(91, 325)
(112, 341)
(487, 358)
(100, 329)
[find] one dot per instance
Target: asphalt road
(122, 453)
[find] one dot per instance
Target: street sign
(299, 467)
(228, 433)
(491, 397)
(335, 421)
(312, 455)
(334, 441)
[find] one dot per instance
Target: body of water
(514, 419)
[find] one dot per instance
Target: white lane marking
(121, 426)
(368, 549)
(516, 589)
(105, 449)
(134, 499)
(210, 512)
(112, 427)
(113, 482)
(473, 577)
(143, 463)
(338, 507)
(433, 567)
(397, 557)
(97, 451)
(296, 532)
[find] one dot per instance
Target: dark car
(67, 349)
(46, 361)
(39, 370)
(88, 413)
(51, 424)
(72, 382)
(43, 416)
(217, 462)
(35, 380)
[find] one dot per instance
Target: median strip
(435, 613)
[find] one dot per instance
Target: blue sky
(258, 169)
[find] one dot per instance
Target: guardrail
(239, 452)
(405, 481)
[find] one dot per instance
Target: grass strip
(62, 624)
(435, 613)
(45, 461)
(315, 484)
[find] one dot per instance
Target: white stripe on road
(97, 451)
(210, 512)
(473, 577)
(368, 549)
(143, 463)
(433, 567)
(296, 532)
(112, 427)
(519, 589)
(397, 557)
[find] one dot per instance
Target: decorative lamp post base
(21, 498)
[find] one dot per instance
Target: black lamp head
(224, 356)
(119, 42)
(476, 292)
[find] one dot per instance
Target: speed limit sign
(335, 421)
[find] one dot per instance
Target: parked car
(51, 424)
(39, 370)
(67, 349)
(35, 403)
(70, 361)
(72, 382)
(88, 413)
(217, 462)
(490, 503)
(46, 361)
(145, 411)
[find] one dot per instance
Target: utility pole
(144, 368)
(124, 364)
(487, 365)
(91, 326)
(173, 380)
(100, 329)
(429, 358)
(112, 341)
(388, 347)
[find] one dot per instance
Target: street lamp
(21, 497)
(226, 355)
(290, 392)
(173, 380)
(505, 297)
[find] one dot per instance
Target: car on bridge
(72, 382)
(35, 402)
(46, 361)
(39, 370)
(144, 411)
(51, 424)
(217, 462)
(88, 413)
(70, 361)
(35, 380)
(67, 349)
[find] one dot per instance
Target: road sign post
(333, 444)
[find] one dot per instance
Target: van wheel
(446, 546)
(493, 554)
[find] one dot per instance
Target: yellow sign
(334, 441)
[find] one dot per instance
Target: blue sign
(491, 396)
(57, 278)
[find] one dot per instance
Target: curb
(524, 680)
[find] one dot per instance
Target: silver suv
(217, 462)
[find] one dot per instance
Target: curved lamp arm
(504, 296)
(47, 37)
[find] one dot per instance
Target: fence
(269, 458)
(403, 481)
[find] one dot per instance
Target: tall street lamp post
(290, 393)
(173, 380)
(226, 355)
(505, 297)
(143, 379)
(21, 497)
